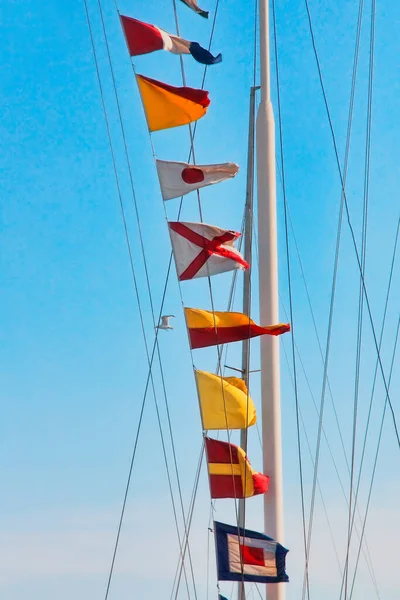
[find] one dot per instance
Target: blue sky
(73, 365)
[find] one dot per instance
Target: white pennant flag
(201, 250)
(178, 178)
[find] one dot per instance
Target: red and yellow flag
(168, 106)
(230, 473)
(208, 328)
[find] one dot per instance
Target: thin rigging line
(312, 461)
(361, 292)
(375, 460)
(299, 455)
(167, 277)
(151, 302)
(189, 521)
(346, 206)
(139, 304)
(135, 286)
(376, 368)
(366, 552)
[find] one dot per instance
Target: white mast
(268, 281)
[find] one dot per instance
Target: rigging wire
(299, 454)
(152, 356)
(136, 293)
(366, 552)
(376, 369)
(312, 461)
(375, 460)
(344, 204)
(361, 292)
(303, 276)
(139, 304)
(151, 305)
(347, 210)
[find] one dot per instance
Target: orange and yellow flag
(168, 106)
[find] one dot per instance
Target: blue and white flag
(244, 555)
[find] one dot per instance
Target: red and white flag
(143, 38)
(179, 178)
(201, 250)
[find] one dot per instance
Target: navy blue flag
(221, 597)
(202, 55)
(244, 555)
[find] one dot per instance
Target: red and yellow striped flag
(168, 106)
(208, 328)
(230, 473)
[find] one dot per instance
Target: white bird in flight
(164, 322)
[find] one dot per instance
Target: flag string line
(132, 268)
(128, 160)
(218, 349)
(143, 254)
(192, 149)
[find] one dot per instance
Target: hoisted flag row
(202, 250)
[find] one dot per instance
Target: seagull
(164, 322)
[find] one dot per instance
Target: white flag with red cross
(179, 178)
(201, 250)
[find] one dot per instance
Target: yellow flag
(168, 106)
(224, 402)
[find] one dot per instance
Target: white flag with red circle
(201, 250)
(179, 178)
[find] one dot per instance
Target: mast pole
(248, 237)
(268, 282)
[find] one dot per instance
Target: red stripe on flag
(221, 452)
(226, 486)
(197, 96)
(209, 336)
